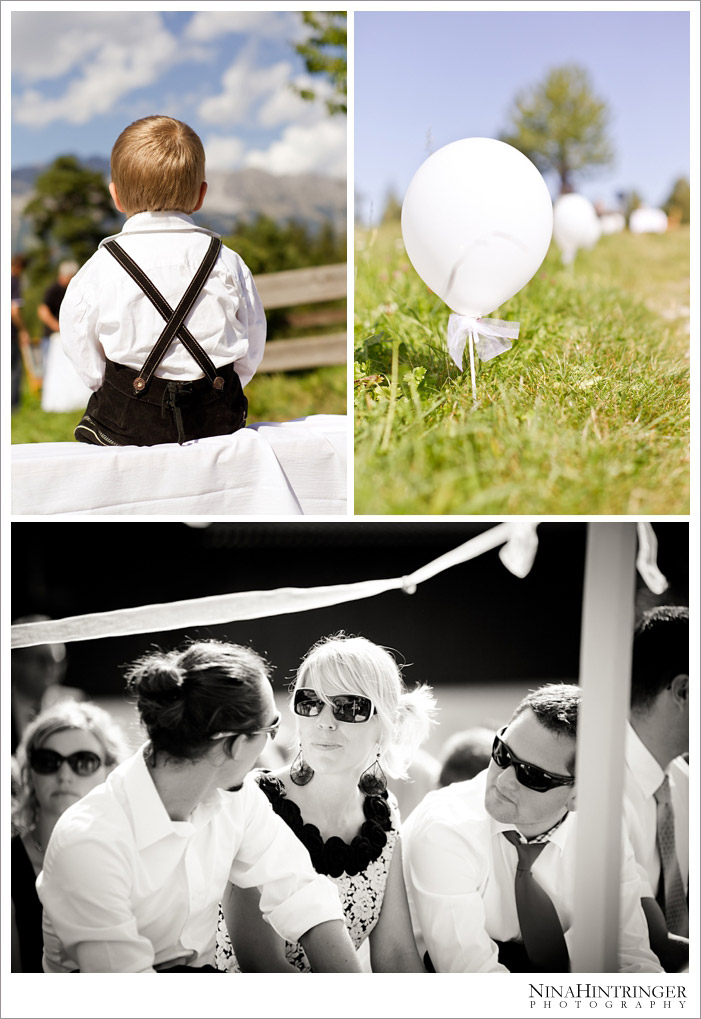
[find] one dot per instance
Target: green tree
(71, 211)
(324, 52)
(267, 246)
(392, 212)
(561, 125)
(678, 205)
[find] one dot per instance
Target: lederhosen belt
(137, 408)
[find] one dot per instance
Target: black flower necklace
(334, 856)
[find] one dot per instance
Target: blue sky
(428, 78)
(79, 77)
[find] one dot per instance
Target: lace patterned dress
(358, 870)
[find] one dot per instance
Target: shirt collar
(557, 834)
(150, 818)
(648, 773)
(157, 222)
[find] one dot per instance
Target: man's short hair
(157, 164)
(556, 706)
(660, 652)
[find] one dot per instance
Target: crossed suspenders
(174, 319)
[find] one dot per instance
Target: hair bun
(159, 687)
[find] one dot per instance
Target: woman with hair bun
(65, 752)
(134, 872)
(355, 721)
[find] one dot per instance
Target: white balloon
(477, 222)
(648, 221)
(575, 225)
(612, 222)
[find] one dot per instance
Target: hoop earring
(300, 772)
(373, 781)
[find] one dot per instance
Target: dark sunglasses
(272, 730)
(529, 775)
(345, 707)
(48, 762)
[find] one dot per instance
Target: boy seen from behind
(163, 322)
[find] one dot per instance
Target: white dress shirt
(459, 872)
(106, 315)
(125, 888)
(642, 778)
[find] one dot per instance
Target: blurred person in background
(489, 863)
(51, 305)
(36, 675)
(65, 752)
(656, 792)
(134, 873)
(465, 754)
(18, 333)
(355, 720)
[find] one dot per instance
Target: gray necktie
(540, 925)
(676, 909)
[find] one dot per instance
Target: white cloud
(116, 56)
(284, 105)
(316, 148)
(115, 71)
(48, 44)
(207, 25)
(243, 85)
(223, 153)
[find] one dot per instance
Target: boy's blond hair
(157, 164)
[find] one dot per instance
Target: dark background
(475, 623)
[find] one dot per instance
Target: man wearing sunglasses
(489, 863)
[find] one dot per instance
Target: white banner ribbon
(488, 337)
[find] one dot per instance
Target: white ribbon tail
(647, 559)
(491, 336)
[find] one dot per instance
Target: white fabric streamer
(647, 559)
(245, 605)
(520, 544)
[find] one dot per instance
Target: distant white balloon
(647, 221)
(575, 225)
(477, 223)
(612, 222)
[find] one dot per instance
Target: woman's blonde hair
(344, 664)
(157, 164)
(63, 716)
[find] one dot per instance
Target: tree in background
(561, 125)
(678, 205)
(267, 246)
(70, 213)
(392, 212)
(324, 52)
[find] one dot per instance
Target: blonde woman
(355, 721)
(65, 752)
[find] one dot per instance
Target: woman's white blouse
(105, 314)
(125, 888)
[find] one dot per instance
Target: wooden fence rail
(303, 286)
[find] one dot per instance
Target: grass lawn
(588, 413)
(278, 396)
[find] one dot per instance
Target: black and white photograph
(351, 747)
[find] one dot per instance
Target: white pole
(608, 618)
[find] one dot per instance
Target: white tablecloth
(267, 469)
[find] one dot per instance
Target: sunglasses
(345, 707)
(48, 762)
(272, 730)
(529, 775)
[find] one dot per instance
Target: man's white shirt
(459, 872)
(125, 888)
